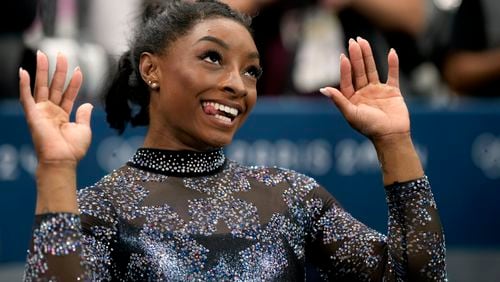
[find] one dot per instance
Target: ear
(148, 67)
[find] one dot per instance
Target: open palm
(373, 108)
(56, 139)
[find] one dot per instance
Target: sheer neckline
(179, 163)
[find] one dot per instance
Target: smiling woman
(207, 86)
(179, 210)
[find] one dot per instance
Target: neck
(165, 140)
(179, 163)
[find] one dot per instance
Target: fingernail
(351, 40)
(324, 92)
(392, 50)
(359, 38)
(20, 71)
(77, 69)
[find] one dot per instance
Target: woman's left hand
(375, 109)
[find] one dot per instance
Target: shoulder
(118, 183)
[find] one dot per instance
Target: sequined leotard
(186, 216)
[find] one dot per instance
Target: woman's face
(207, 87)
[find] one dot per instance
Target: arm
(345, 249)
(61, 249)
(407, 16)
(59, 143)
(471, 62)
(465, 70)
(377, 110)
(67, 247)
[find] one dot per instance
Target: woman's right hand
(57, 141)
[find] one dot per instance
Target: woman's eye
(254, 71)
(212, 57)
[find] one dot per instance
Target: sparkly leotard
(191, 216)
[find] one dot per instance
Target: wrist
(56, 187)
(398, 158)
(60, 165)
(392, 141)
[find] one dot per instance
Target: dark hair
(126, 98)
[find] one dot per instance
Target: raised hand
(375, 109)
(56, 139)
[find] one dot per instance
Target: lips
(220, 111)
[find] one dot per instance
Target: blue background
(459, 146)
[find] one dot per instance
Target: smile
(222, 112)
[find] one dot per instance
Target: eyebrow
(252, 55)
(214, 40)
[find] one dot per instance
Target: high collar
(179, 163)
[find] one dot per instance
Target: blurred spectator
(15, 18)
(472, 65)
(300, 41)
(90, 33)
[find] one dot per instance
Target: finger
(371, 68)
(71, 92)
(343, 104)
(25, 96)
(83, 114)
(346, 85)
(58, 80)
(42, 76)
(358, 65)
(393, 73)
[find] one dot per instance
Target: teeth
(223, 118)
(223, 108)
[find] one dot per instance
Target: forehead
(234, 34)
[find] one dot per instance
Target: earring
(153, 85)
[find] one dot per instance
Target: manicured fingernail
(77, 69)
(20, 71)
(359, 38)
(324, 92)
(351, 40)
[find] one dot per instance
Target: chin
(219, 141)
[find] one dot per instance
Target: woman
(179, 210)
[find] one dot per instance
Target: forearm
(56, 189)
(398, 158)
(408, 16)
(466, 69)
(416, 243)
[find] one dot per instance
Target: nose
(234, 84)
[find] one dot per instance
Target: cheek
(250, 103)
(251, 100)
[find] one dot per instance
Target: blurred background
(450, 76)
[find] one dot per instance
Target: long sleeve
(347, 250)
(70, 247)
